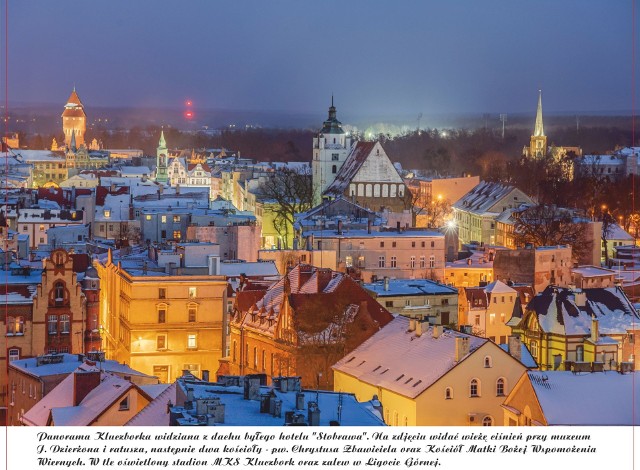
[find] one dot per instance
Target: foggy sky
(377, 57)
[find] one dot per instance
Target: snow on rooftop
(410, 287)
(590, 399)
(399, 360)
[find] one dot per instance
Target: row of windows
(192, 293)
(412, 262)
(15, 326)
(475, 389)
(192, 313)
(423, 244)
(162, 342)
(375, 190)
(58, 324)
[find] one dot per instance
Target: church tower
(162, 154)
(74, 120)
(538, 143)
(331, 146)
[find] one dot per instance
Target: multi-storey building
(476, 212)
(74, 120)
(35, 222)
(400, 253)
(161, 323)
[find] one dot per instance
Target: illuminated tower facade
(162, 154)
(538, 143)
(74, 120)
(331, 146)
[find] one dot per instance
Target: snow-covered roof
(615, 232)
(482, 198)
(608, 160)
(558, 311)
(258, 268)
(363, 233)
(499, 287)
(592, 271)
(68, 364)
(589, 399)
(155, 413)
(397, 359)
(409, 287)
(333, 406)
(526, 358)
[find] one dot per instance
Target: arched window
(448, 393)
(474, 388)
(500, 387)
(235, 351)
(487, 421)
(487, 361)
(58, 291)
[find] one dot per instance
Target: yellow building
(429, 376)
(162, 324)
(575, 328)
(475, 270)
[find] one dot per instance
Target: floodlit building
(430, 376)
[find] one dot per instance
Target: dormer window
(107, 213)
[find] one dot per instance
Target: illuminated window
(148, 217)
(163, 219)
(176, 218)
(161, 342)
(192, 342)
(255, 357)
(176, 235)
(192, 292)
(348, 261)
(492, 318)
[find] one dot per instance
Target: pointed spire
(162, 143)
(72, 144)
(332, 110)
(538, 131)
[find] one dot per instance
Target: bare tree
(545, 225)
(289, 192)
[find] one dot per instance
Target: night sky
(377, 57)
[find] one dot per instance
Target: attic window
(377, 368)
(361, 363)
(417, 383)
(124, 404)
(384, 371)
(399, 377)
(351, 359)
(410, 379)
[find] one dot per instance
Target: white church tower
(331, 146)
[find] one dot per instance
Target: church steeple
(538, 131)
(538, 143)
(162, 154)
(162, 143)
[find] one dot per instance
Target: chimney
(398, 226)
(313, 414)
(412, 324)
(177, 189)
(252, 387)
(437, 331)
(422, 326)
(386, 283)
(83, 383)
(462, 348)
(299, 401)
(595, 333)
(369, 226)
(340, 227)
(205, 375)
(515, 347)
(580, 298)
(215, 413)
